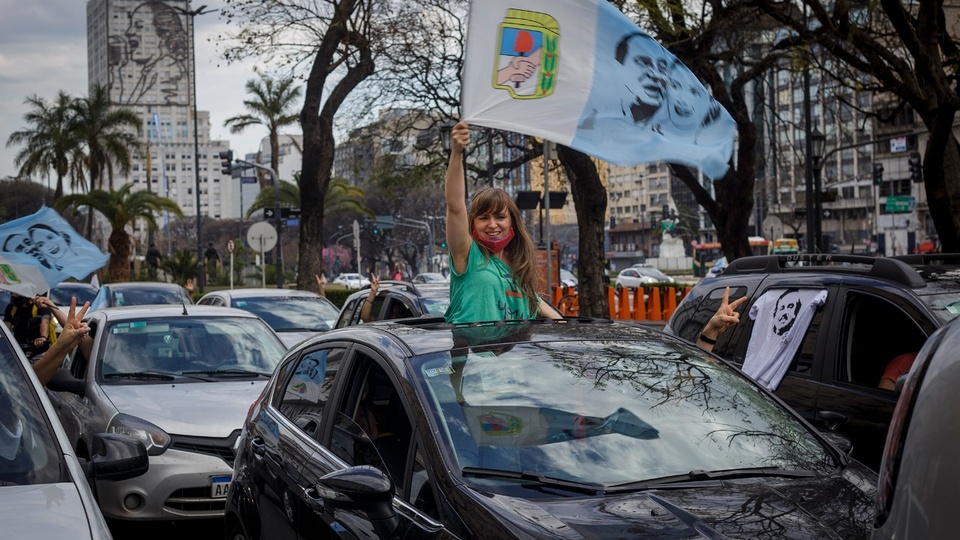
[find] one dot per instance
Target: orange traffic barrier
(624, 306)
(639, 310)
(557, 295)
(670, 302)
(655, 312)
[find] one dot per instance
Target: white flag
(582, 74)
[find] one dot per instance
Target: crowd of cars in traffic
(294, 418)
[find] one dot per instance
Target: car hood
(816, 508)
(45, 511)
(193, 409)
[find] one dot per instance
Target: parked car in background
(638, 276)
(920, 466)
(63, 292)
(396, 300)
(535, 429)
(567, 278)
(139, 293)
(717, 267)
(351, 280)
(875, 310)
(429, 277)
(294, 315)
(178, 378)
(44, 489)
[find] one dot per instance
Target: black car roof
(888, 268)
(425, 335)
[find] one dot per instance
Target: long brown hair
(520, 253)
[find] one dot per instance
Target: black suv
(397, 300)
(876, 309)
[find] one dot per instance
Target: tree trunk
(941, 160)
(119, 256)
(590, 202)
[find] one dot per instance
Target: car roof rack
(888, 268)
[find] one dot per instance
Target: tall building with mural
(142, 51)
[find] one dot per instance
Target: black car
(397, 300)
(875, 310)
(579, 428)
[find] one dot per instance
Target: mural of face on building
(151, 54)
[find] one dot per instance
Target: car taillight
(897, 433)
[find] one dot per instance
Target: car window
(634, 411)
(691, 317)
(291, 313)
(178, 346)
(28, 449)
(866, 352)
(382, 419)
(306, 392)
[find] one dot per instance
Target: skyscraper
(142, 50)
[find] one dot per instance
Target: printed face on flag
(582, 74)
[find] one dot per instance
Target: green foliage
(182, 266)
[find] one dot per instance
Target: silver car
(180, 379)
(351, 280)
(44, 490)
(918, 487)
(294, 315)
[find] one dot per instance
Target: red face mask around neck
(496, 246)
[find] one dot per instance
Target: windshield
(608, 412)
(945, 305)
(145, 296)
(183, 345)
(291, 313)
(653, 272)
(28, 450)
(61, 296)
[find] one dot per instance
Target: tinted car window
(28, 451)
(666, 406)
(62, 295)
(308, 389)
(291, 312)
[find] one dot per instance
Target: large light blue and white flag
(582, 74)
(40, 250)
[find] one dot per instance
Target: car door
(873, 326)
(284, 440)
(372, 427)
(79, 415)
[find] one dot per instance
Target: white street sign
(261, 236)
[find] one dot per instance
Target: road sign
(900, 204)
(262, 236)
(268, 213)
(289, 213)
(229, 246)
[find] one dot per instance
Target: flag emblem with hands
(614, 92)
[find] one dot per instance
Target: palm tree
(50, 143)
(341, 197)
(110, 135)
(121, 208)
(273, 106)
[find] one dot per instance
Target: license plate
(219, 485)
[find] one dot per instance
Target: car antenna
(184, 304)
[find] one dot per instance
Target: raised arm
(458, 226)
(725, 317)
(74, 333)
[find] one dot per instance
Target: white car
(567, 278)
(351, 280)
(429, 277)
(44, 483)
(180, 379)
(637, 276)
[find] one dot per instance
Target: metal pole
(811, 226)
(202, 280)
(490, 157)
(276, 214)
(546, 199)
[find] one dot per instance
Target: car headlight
(153, 438)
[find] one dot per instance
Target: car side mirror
(365, 488)
(118, 457)
(64, 381)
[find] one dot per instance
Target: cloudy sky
(43, 49)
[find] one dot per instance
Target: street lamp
(817, 142)
(201, 275)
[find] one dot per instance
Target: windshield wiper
(573, 485)
(706, 476)
(141, 375)
(226, 372)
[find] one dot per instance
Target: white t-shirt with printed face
(781, 319)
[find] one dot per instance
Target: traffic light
(443, 245)
(226, 161)
(878, 173)
(376, 230)
(613, 222)
(916, 169)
